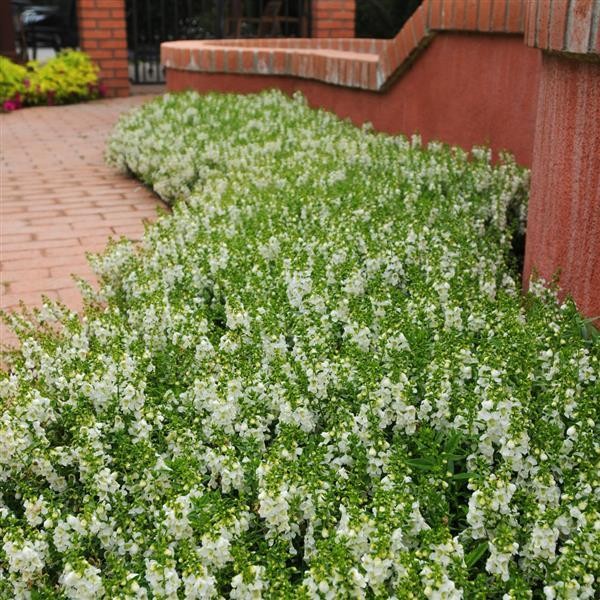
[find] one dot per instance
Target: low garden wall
(459, 72)
(487, 94)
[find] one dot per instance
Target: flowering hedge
(317, 378)
(70, 76)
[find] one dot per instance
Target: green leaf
(475, 555)
(425, 464)
(452, 443)
(463, 476)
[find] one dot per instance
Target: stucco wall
(564, 209)
(464, 89)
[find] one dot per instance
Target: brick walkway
(58, 200)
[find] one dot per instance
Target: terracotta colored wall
(564, 211)
(333, 18)
(564, 25)
(103, 35)
(459, 71)
(464, 89)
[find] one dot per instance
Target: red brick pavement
(58, 200)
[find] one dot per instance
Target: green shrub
(317, 378)
(68, 77)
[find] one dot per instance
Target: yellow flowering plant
(70, 76)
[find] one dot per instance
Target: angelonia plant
(317, 378)
(68, 77)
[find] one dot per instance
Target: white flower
(25, 558)
(199, 586)
(35, 511)
(497, 563)
(249, 590)
(377, 571)
(82, 583)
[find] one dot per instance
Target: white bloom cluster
(83, 583)
(315, 378)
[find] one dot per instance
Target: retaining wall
(459, 71)
(487, 94)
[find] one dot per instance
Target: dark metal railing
(151, 22)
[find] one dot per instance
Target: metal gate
(150, 22)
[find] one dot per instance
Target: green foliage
(12, 76)
(316, 378)
(68, 77)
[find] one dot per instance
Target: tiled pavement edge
(59, 200)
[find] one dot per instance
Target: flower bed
(68, 77)
(317, 378)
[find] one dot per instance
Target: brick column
(333, 18)
(103, 35)
(563, 231)
(7, 31)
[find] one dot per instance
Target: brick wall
(458, 71)
(339, 59)
(564, 26)
(563, 231)
(103, 35)
(333, 18)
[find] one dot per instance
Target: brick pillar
(103, 35)
(563, 230)
(333, 18)
(7, 30)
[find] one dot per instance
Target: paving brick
(71, 297)
(31, 299)
(9, 276)
(73, 249)
(41, 217)
(42, 259)
(95, 240)
(63, 219)
(83, 270)
(11, 257)
(40, 285)
(132, 232)
(83, 209)
(54, 233)
(60, 201)
(13, 238)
